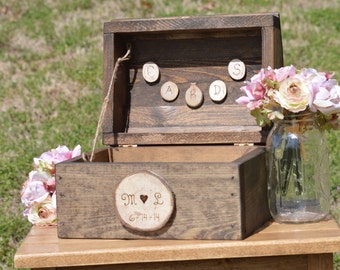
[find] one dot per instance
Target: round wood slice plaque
(194, 96)
(150, 72)
(217, 90)
(144, 201)
(237, 69)
(169, 91)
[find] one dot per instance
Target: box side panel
(206, 200)
(108, 64)
(272, 51)
(113, 48)
(255, 210)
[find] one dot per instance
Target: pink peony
(47, 160)
(327, 101)
(61, 153)
(255, 91)
(325, 95)
(37, 187)
(270, 74)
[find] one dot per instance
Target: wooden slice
(194, 96)
(237, 69)
(217, 90)
(169, 91)
(144, 201)
(150, 72)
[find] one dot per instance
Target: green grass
(51, 77)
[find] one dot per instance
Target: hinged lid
(188, 52)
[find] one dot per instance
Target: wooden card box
(173, 171)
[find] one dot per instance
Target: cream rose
(43, 213)
(293, 94)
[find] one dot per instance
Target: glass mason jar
(298, 167)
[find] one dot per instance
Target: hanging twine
(106, 101)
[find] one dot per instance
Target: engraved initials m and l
(130, 199)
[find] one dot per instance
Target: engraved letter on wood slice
(194, 96)
(217, 90)
(169, 91)
(150, 72)
(236, 69)
(144, 201)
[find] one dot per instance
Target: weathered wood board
(214, 198)
(187, 50)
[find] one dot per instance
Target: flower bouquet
(302, 104)
(38, 193)
(276, 93)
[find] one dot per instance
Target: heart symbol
(144, 198)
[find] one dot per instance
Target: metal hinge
(243, 144)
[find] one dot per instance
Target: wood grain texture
(314, 242)
(210, 194)
(187, 50)
(217, 135)
(143, 201)
(320, 261)
(194, 23)
(262, 263)
(183, 153)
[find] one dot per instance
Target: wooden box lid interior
(186, 50)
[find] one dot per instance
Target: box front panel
(207, 200)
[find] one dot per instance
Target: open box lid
(186, 50)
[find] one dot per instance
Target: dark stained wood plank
(192, 23)
(205, 190)
(187, 50)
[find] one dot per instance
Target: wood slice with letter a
(144, 201)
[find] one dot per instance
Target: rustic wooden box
(214, 177)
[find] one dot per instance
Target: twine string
(106, 101)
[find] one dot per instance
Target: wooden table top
(43, 248)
